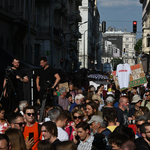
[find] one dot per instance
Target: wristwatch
(21, 80)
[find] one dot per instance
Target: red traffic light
(134, 22)
(134, 26)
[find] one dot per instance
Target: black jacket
(141, 144)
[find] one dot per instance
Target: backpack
(99, 142)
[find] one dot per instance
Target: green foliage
(138, 45)
(115, 62)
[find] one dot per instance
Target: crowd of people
(77, 118)
(80, 121)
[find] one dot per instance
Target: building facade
(90, 30)
(145, 35)
(53, 30)
(118, 44)
(57, 27)
(14, 28)
(145, 25)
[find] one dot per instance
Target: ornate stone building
(14, 28)
(90, 30)
(57, 27)
(145, 35)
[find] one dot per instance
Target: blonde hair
(16, 139)
(138, 113)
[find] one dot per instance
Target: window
(127, 39)
(126, 60)
(148, 42)
(102, 61)
(126, 54)
(133, 53)
(132, 61)
(127, 45)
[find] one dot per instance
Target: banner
(137, 78)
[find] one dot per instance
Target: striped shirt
(87, 145)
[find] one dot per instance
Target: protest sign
(137, 78)
(64, 85)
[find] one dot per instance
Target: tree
(115, 62)
(138, 46)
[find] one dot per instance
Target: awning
(98, 76)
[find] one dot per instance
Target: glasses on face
(75, 117)
(147, 95)
(20, 124)
(29, 114)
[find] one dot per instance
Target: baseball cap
(96, 118)
(136, 98)
(109, 99)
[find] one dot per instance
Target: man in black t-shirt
(122, 118)
(17, 78)
(143, 143)
(46, 73)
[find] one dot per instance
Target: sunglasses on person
(146, 95)
(20, 124)
(75, 117)
(29, 114)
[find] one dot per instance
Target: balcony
(78, 18)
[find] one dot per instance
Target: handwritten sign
(137, 78)
(64, 85)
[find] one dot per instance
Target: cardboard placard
(137, 78)
(64, 85)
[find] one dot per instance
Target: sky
(121, 14)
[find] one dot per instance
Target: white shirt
(62, 134)
(87, 145)
(123, 72)
(47, 119)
